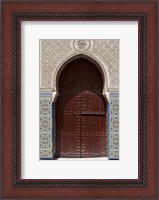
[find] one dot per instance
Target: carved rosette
(81, 45)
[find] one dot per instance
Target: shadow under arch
(97, 63)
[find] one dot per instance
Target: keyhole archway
(81, 111)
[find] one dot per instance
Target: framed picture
(79, 100)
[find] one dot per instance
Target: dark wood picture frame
(145, 187)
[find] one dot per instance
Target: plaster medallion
(81, 45)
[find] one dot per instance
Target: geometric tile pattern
(45, 125)
(114, 125)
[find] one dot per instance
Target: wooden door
(80, 112)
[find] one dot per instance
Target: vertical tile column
(45, 125)
(113, 125)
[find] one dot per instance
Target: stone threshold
(82, 159)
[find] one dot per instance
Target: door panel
(80, 112)
(67, 126)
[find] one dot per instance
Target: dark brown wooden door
(80, 112)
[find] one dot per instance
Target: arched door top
(97, 63)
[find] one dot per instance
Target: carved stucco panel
(52, 52)
(55, 52)
(108, 52)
